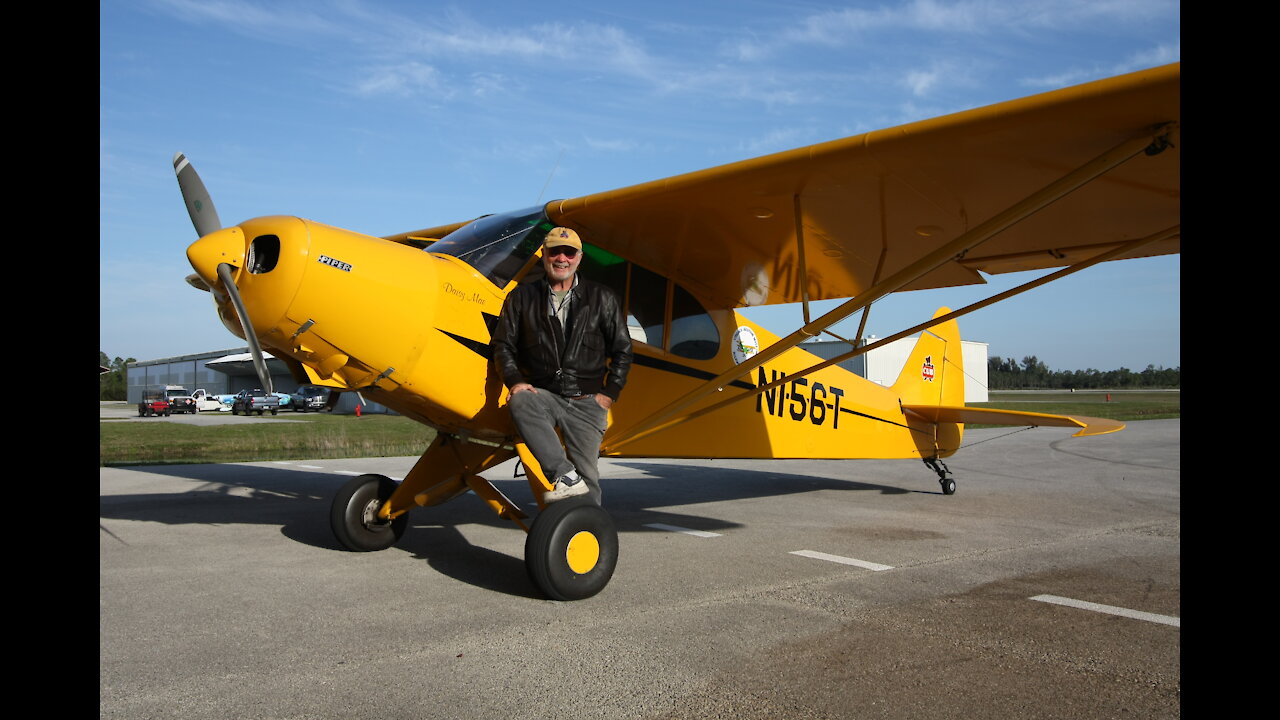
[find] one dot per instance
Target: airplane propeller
(205, 219)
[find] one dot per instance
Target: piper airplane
(1064, 179)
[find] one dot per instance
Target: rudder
(934, 372)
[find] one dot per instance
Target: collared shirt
(560, 302)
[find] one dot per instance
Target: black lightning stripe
(873, 417)
(671, 367)
(483, 349)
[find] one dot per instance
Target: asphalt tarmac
(1048, 586)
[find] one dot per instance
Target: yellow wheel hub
(583, 552)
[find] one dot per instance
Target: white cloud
(408, 78)
(276, 21)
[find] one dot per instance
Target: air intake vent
(264, 253)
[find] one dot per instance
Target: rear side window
(693, 333)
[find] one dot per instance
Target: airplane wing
(970, 415)
(1059, 177)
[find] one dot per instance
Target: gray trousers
(581, 421)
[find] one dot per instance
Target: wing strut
(955, 249)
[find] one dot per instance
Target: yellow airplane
(1064, 179)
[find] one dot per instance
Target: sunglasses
(569, 252)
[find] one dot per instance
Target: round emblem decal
(745, 344)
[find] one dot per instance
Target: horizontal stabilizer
(984, 416)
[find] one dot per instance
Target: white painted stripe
(686, 531)
(312, 467)
(842, 560)
(347, 472)
(1110, 610)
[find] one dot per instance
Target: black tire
(275, 411)
(948, 486)
(576, 526)
(354, 512)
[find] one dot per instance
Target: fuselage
(410, 328)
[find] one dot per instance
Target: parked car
(285, 399)
(256, 400)
(309, 397)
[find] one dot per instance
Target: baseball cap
(562, 236)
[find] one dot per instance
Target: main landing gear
(570, 552)
(947, 482)
(354, 514)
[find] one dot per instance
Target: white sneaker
(566, 486)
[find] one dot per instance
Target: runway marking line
(321, 467)
(1109, 609)
(682, 530)
(842, 560)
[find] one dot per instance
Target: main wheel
(948, 486)
(571, 550)
(354, 514)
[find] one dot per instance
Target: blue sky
(383, 117)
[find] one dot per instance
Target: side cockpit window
(646, 307)
(691, 333)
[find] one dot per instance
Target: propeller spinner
(205, 219)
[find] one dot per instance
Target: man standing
(562, 348)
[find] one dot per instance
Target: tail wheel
(354, 514)
(572, 549)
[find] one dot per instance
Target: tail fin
(934, 373)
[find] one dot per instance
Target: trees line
(1031, 373)
(113, 384)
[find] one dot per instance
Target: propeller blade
(198, 282)
(259, 362)
(194, 194)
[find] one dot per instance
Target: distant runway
(1047, 586)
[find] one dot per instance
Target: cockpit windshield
(497, 246)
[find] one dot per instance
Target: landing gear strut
(947, 482)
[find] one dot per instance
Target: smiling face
(560, 266)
